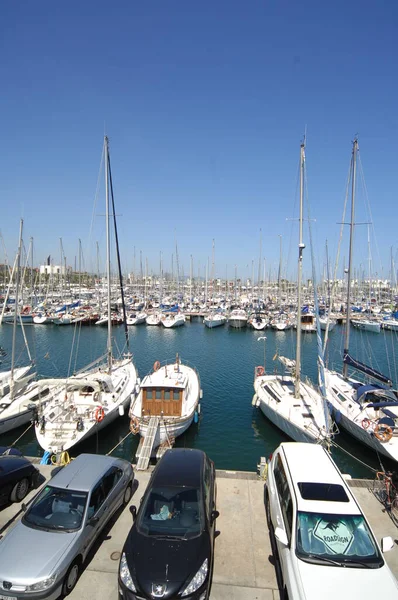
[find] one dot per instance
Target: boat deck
(244, 567)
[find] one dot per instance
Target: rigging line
(79, 324)
(336, 265)
(368, 208)
(71, 352)
(333, 443)
(118, 444)
(126, 333)
(22, 434)
(96, 198)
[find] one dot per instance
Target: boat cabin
(162, 401)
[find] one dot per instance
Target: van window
(285, 498)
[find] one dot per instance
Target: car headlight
(198, 580)
(40, 586)
(124, 573)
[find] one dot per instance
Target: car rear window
(327, 492)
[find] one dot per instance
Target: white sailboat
(369, 412)
(291, 404)
(16, 400)
(87, 402)
(170, 392)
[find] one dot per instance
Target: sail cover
(359, 366)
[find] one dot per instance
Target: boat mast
(348, 309)
(299, 275)
(16, 309)
(108, 256)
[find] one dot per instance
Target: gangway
(147, 446)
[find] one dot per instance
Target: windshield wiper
(163, 536)
(323, 559)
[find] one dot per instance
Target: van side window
(285, 499)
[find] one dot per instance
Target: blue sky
(205, 104)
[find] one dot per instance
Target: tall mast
(348, 310)
(16, 309)
(108, 256)
(299, 275)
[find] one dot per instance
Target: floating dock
(244, 567)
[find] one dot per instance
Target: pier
(244, 568)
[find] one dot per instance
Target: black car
(17, 476)
(169, 552)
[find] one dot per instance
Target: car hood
(325, 582)
(40, 552)
(170, 562)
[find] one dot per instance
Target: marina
(230, 430)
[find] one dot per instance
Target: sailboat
(18, 393)
(87, 402)
(367, 411)
(293, 405)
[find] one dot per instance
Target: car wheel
(20, 490)
(71, 578)
(128, 492)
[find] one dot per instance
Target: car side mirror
(387, 543)
(281, 536)
(214, 515)
(133, 510)
(93, 521)
(24, 507)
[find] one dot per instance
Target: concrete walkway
(243, 569)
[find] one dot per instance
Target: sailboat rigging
(290, 403)
(88, 401)
(368, 411)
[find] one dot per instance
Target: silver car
(57, 531)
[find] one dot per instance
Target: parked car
(17, 476)
(56, 533)
(321, 539)
(169, 552)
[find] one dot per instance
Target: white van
(325, 546)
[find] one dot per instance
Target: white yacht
(169, 398)
(214, 319)
(173, 319)
(237, 318)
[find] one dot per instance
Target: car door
(114, 484)
(282, 516)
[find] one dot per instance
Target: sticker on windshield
(335, 535)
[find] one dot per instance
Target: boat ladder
(146, 451)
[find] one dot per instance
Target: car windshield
(174, 512)
(57, 510)
(337, 539)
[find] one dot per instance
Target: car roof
(311, 463)
(179, 467)
(11, 462)
(82, 473)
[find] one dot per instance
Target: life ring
(26, 310)
(365, 423)
(260, 371)
(383, 432)
(156, 365)
(99, 414)
(134, 425)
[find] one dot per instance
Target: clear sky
(205, 104)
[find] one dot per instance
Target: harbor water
(233, 433)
